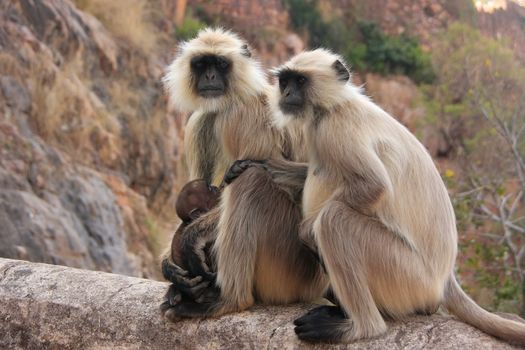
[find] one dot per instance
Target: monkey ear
(245, 51)
(341, 71)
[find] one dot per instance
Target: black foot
(178, 305)
(190, 309)
(325, 324)
(239, 167)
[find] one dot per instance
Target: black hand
(238, 167)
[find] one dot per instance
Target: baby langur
(375, 206)
(196, 198)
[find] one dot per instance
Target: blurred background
(91, 157)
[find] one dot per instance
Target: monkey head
(195, 199)
(212, 70)
(310, 80)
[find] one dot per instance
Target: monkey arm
(366, 180)
(289, 175)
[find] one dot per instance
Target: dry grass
(126, 19)
(67, 113)
(9, 65)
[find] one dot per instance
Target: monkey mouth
(211, 92)
(291, 108)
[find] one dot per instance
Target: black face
(293, 91)
(210, 75)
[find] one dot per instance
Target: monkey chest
(317, 191)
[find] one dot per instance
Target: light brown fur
(258, 251)
(377, 209)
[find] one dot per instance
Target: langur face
(210, 75)
(292, 86)
(308, 81)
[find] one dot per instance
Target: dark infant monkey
(196, 198)
(188, 252)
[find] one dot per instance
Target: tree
(478, 103)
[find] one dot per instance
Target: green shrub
(395, 54)
(189, 28)
(363, 44)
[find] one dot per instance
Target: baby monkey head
(196, 198)
(311, 79)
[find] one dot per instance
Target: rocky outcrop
(52, 307)
(90, 155)
(398, 95)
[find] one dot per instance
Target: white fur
(247, 77)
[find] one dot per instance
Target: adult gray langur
(254, 230)
(375, 207)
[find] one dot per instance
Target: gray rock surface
(89, 153)
(55, 307)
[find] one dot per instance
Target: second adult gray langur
(376, 208)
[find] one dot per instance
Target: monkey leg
(258, 246)
(371, 270)
(246, 217)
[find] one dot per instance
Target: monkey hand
(239, 167)
(183, 284)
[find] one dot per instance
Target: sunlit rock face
(90, 154)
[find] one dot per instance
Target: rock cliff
(90, 153)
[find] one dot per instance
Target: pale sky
(491, 5)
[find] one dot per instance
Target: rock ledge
(55, 307)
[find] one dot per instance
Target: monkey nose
(210, 76)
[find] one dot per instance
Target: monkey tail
(460, 304)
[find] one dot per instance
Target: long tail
(460, 304)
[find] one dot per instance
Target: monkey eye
(198, 64)
(301, 80)
(222, 63)
(282, 83)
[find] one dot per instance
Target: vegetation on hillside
(477, 103)
(189, 27)
(362, 43)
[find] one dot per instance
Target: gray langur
(255, 228)
(375, 207)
